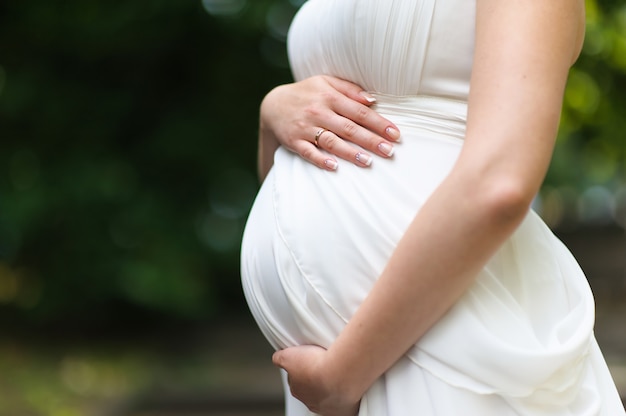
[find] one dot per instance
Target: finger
(351, 90)
(367, 118)
(357, 122)
(330, 142)
(309, 152)
(345, 131)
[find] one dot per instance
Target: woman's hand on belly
(322, 117)
(314, 384)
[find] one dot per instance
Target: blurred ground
(201, 371)
(220, 371)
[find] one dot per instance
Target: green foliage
(128, 139)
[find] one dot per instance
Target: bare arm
(291, 115)
(523, 53)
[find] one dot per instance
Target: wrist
(344, 376)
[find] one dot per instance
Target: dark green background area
(128, 140)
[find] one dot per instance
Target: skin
(524, 49)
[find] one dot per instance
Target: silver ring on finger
(316, 141)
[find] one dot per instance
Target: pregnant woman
(416, 281)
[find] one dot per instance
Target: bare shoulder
(538, 23)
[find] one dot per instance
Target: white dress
(520, 341)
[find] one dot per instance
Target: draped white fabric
(520, 342)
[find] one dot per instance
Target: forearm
(267, 147)
(449, 241)
(270, 117)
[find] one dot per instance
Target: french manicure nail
(364, 158)
(386, 149)
(393, 133)
(330, 164)
(370, 98)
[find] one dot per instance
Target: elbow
(506, 202)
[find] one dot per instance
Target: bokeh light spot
(8, 284)
(278, 20)
(231, 193)
(78, 375)
(224, 7)
(596, 42)
(595, 206)
(599, 160)
(619, 52)
(559, 207)
(582, 94)
(619, 208)
(219, 233)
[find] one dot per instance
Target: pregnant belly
(341, 227)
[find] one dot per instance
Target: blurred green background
(127, 153)
(127, 162)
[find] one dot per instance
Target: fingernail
(393, 133)
(330, 164)
(369, 97)
(364, 158)
(386, 149)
